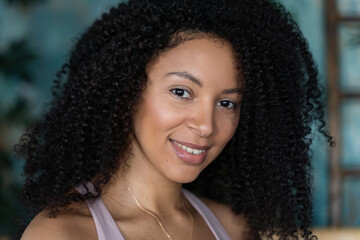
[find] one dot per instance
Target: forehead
(203, 57)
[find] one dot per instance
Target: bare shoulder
(66, 225)
(235, 225)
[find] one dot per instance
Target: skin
(193, 96)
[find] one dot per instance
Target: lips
(190, 153)
(191, 145)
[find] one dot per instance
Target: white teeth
(196, 152)
(189, 150)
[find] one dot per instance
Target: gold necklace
(158, 220)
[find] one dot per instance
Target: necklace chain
(158, 220)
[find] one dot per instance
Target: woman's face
(190, 109)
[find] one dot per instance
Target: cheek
(156, 117)
(227, 128)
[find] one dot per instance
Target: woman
(218, 94)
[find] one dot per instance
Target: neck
(153, 191)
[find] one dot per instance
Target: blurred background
(35, 39)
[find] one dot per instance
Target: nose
(202, 120)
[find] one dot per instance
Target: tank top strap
(106, 227)
(213, 223)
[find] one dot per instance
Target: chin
(188, 180)
(183, 177)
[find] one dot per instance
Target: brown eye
(227, 104)
(181, 93)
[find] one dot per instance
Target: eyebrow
(233, 90)
(192, 78)
(187, 76)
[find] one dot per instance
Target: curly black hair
(264, 172)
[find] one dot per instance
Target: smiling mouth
(190, 153)
(188, 149)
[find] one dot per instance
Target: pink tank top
(107, 229)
